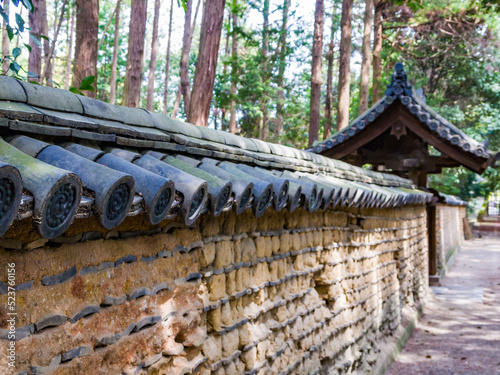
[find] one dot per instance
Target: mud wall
(449, 233)
(299, 293)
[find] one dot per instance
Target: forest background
(286, 71)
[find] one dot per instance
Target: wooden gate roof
(396, 132)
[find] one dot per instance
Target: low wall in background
(449, 234)
(294, 293)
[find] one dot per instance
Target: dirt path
(459, 332)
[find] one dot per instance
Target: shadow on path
(459, 332)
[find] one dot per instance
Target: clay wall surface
(293, 293)
(449, 232)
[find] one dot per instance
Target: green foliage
(450, 49)
(86, 85)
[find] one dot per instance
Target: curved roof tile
(75, 157)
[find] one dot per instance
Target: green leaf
(86, 84)
(10, 32)
(28, 4)
(4, 15)
(20, 22)
(35, 39)
(16, 52)
(88, 81)
(28, 47)
(74, 90)
(182, 3)
(15, 67)
(34, 82)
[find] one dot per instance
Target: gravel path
(459, 332)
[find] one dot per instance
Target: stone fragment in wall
(223, 254)
(268, 246)
(182, 365)
(273, 271)
(236, 245)
(298, 264)
(244, 332)
(214, 319)
(183, 327)
(309, 239)
(212, 348)
(294, 242)
(275, 244)
(206, 255)
(227, 319)
(284, 243)
(239, 281)
(217, 287)
(327, 237)
(249, 358)
(261, 273)
(248, 250)
(229, 223)
(282, 269)
(260, 246)
(281, 314)
(230, 343)
(262, 350)
(230, 368)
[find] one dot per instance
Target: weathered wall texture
(449, 232)
(297, 293)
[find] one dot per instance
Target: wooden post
(431, 226)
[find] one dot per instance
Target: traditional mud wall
(297, 293)
(449, 233)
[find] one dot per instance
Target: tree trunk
(344, 69)
(377, 49)
(152, 61)
(364, 86)
(179, 90)
(47, 69)
(224, 71)
(282, 45)
(70, 51)
(329, 79)
(234, 65)
(5, 39)
(263, 130)
(177, 101)
(206, 64)
(186, 48)
(87, 27)
(137, 33)
(114, 61)
(314, 112)
(167, 68)
(36, 20)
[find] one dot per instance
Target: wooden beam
(369, 133)
(465, 158)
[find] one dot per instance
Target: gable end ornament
(399, 82)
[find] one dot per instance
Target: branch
(53, 47)
(107, 25)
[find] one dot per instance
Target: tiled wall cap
(57, 192)
(114, 190)
(194, 190)
(11, 189)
